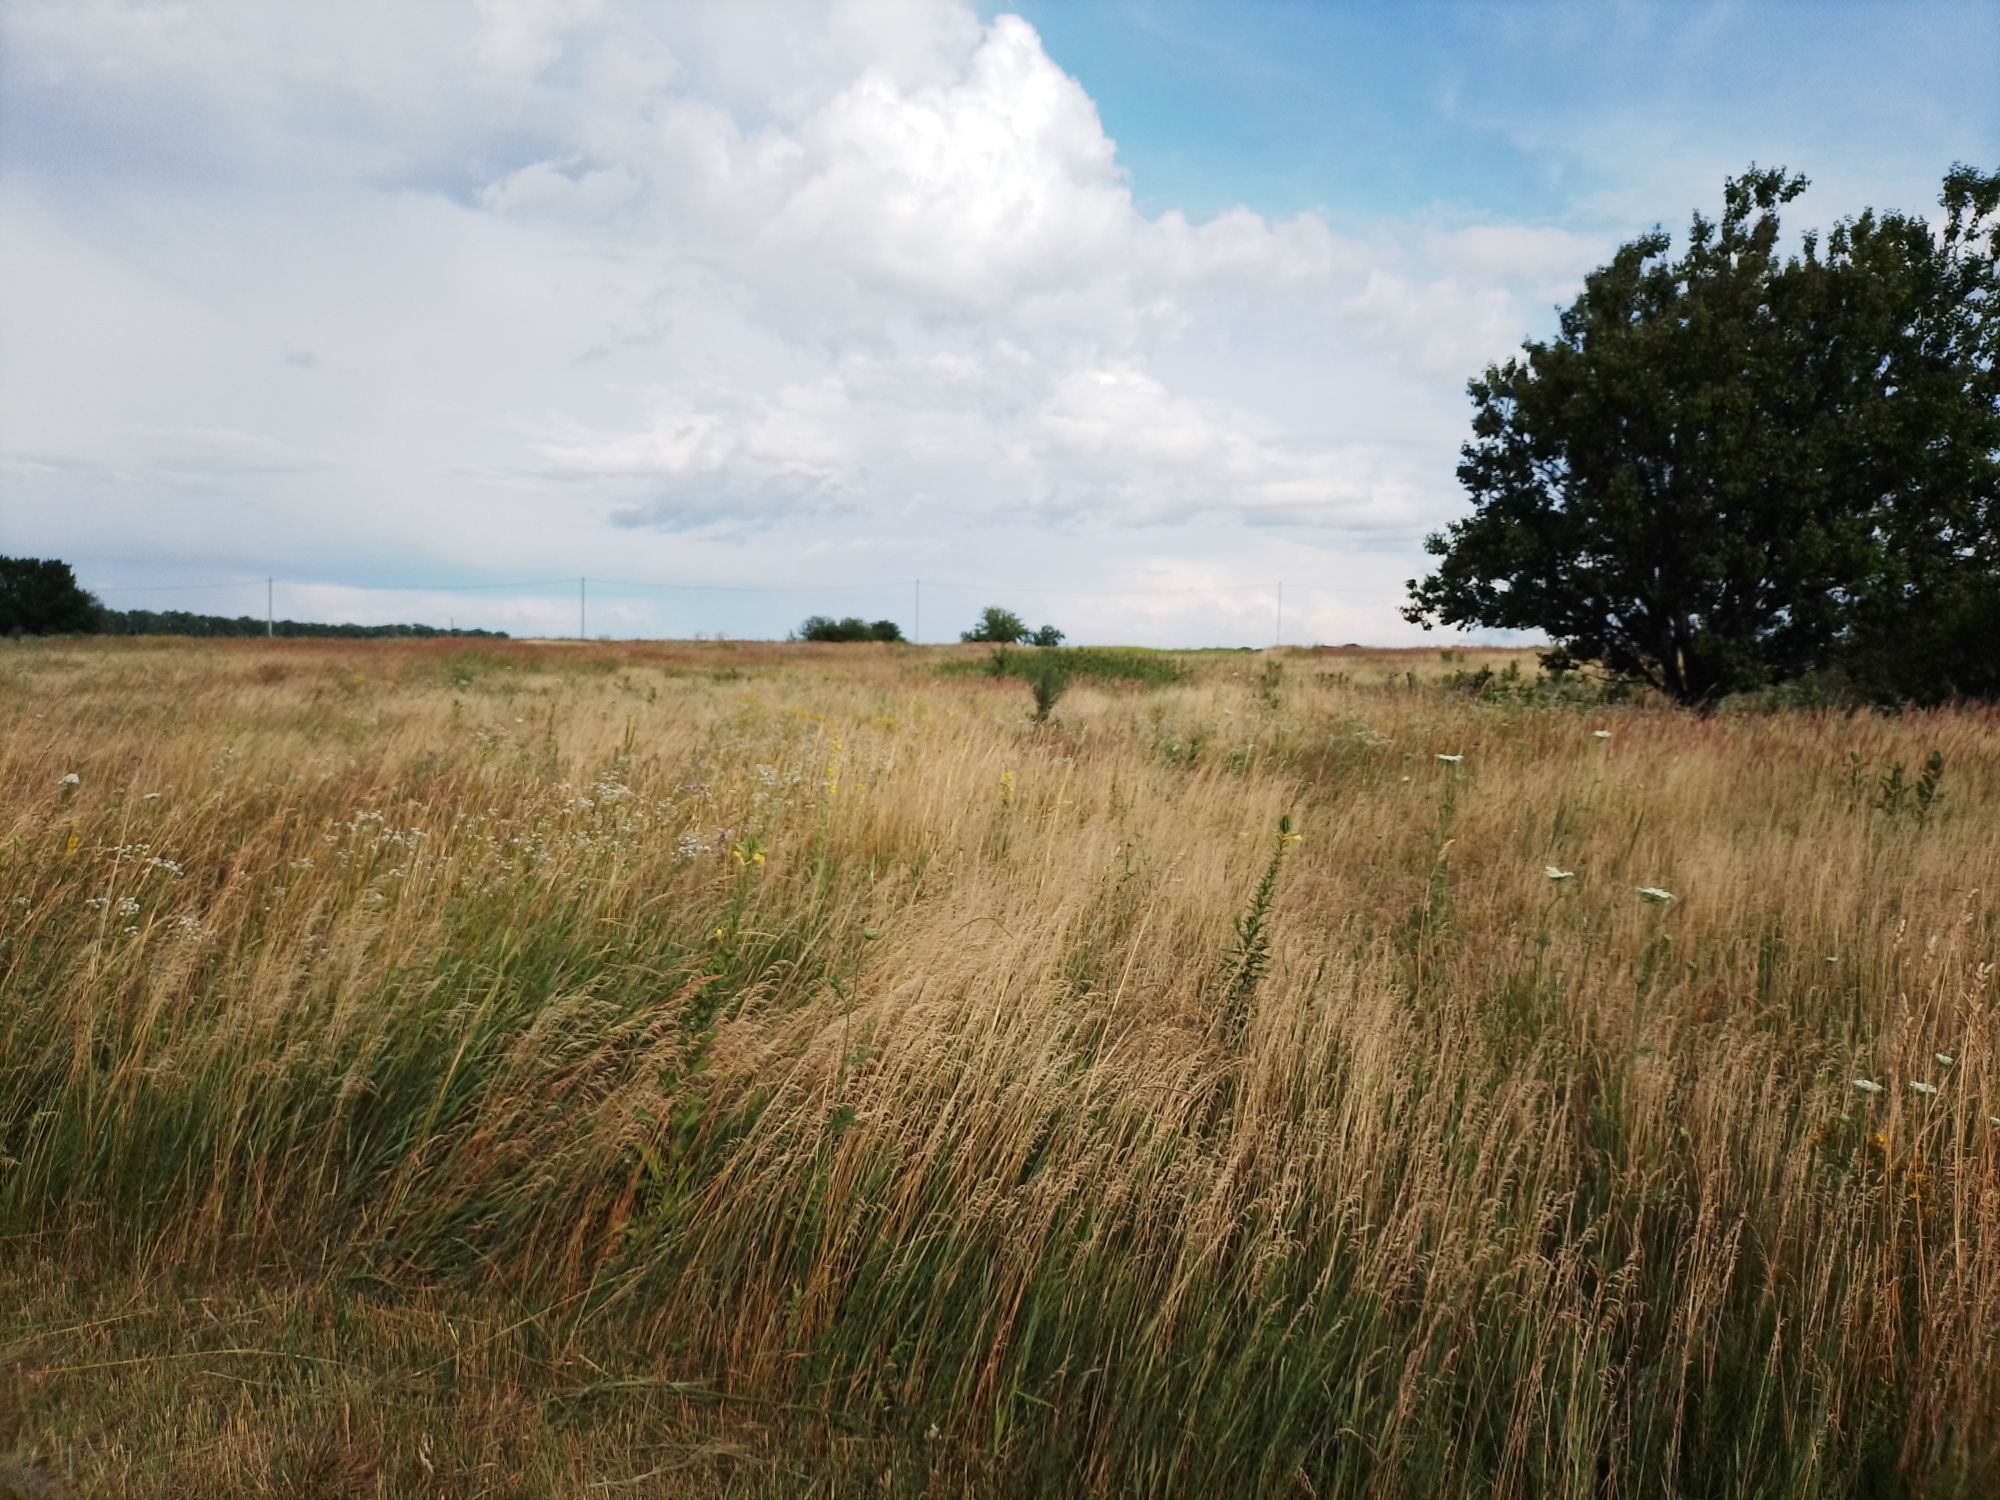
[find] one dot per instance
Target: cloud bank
(745, 292)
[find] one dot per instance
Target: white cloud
(720, 290)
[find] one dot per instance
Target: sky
(1120, 314)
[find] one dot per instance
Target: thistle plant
(1251, 956)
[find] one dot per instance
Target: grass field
(542, 1071)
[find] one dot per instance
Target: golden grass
(774, 1070)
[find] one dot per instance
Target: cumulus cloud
(716, 288)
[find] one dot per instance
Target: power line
(883, 587)
(368, 588)
(755, 588)
(1002, 588)
(170, 588)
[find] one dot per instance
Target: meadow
(690, 1070)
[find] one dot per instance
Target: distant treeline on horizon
(181, 622)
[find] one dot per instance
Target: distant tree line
(40, 596)
(996, 627)
(180, 622)
(852, 628)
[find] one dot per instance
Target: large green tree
(40, 596)
(1745, 464)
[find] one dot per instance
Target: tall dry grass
(794, 1055)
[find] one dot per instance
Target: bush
(1048, 679)
(1132, 664)
(851, 628)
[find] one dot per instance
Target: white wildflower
(1555, 874)
(1600, 734)
(1868, 1085)
(1655, 894)
(72, 780)
(1451, 760)
(128, 907)
(1945, 1059)
(1923, 1088)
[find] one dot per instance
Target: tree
(1002, 627)
(40, 596)
(1738, 467)
(851, 628)
(998, 627)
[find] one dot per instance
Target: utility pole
(270, 615)
(1278, 639)
(917, 613)
(582, 611)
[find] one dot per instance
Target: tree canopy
(1740, 466)
(851, 628)
(1002, 627)
(40, 596)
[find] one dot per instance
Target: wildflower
(72, 780)
(1868, 1085)
(1654, 894)
(833, 768)
(1555, 874)
(128, 907)
(1926, 1089)
(1451, 760)
(1006, 786)
(1600, 734)
(1945, 1059)
(718, 934)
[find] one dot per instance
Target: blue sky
(1145, 306)
(1559, 113)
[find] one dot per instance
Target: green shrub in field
(1107, 664)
